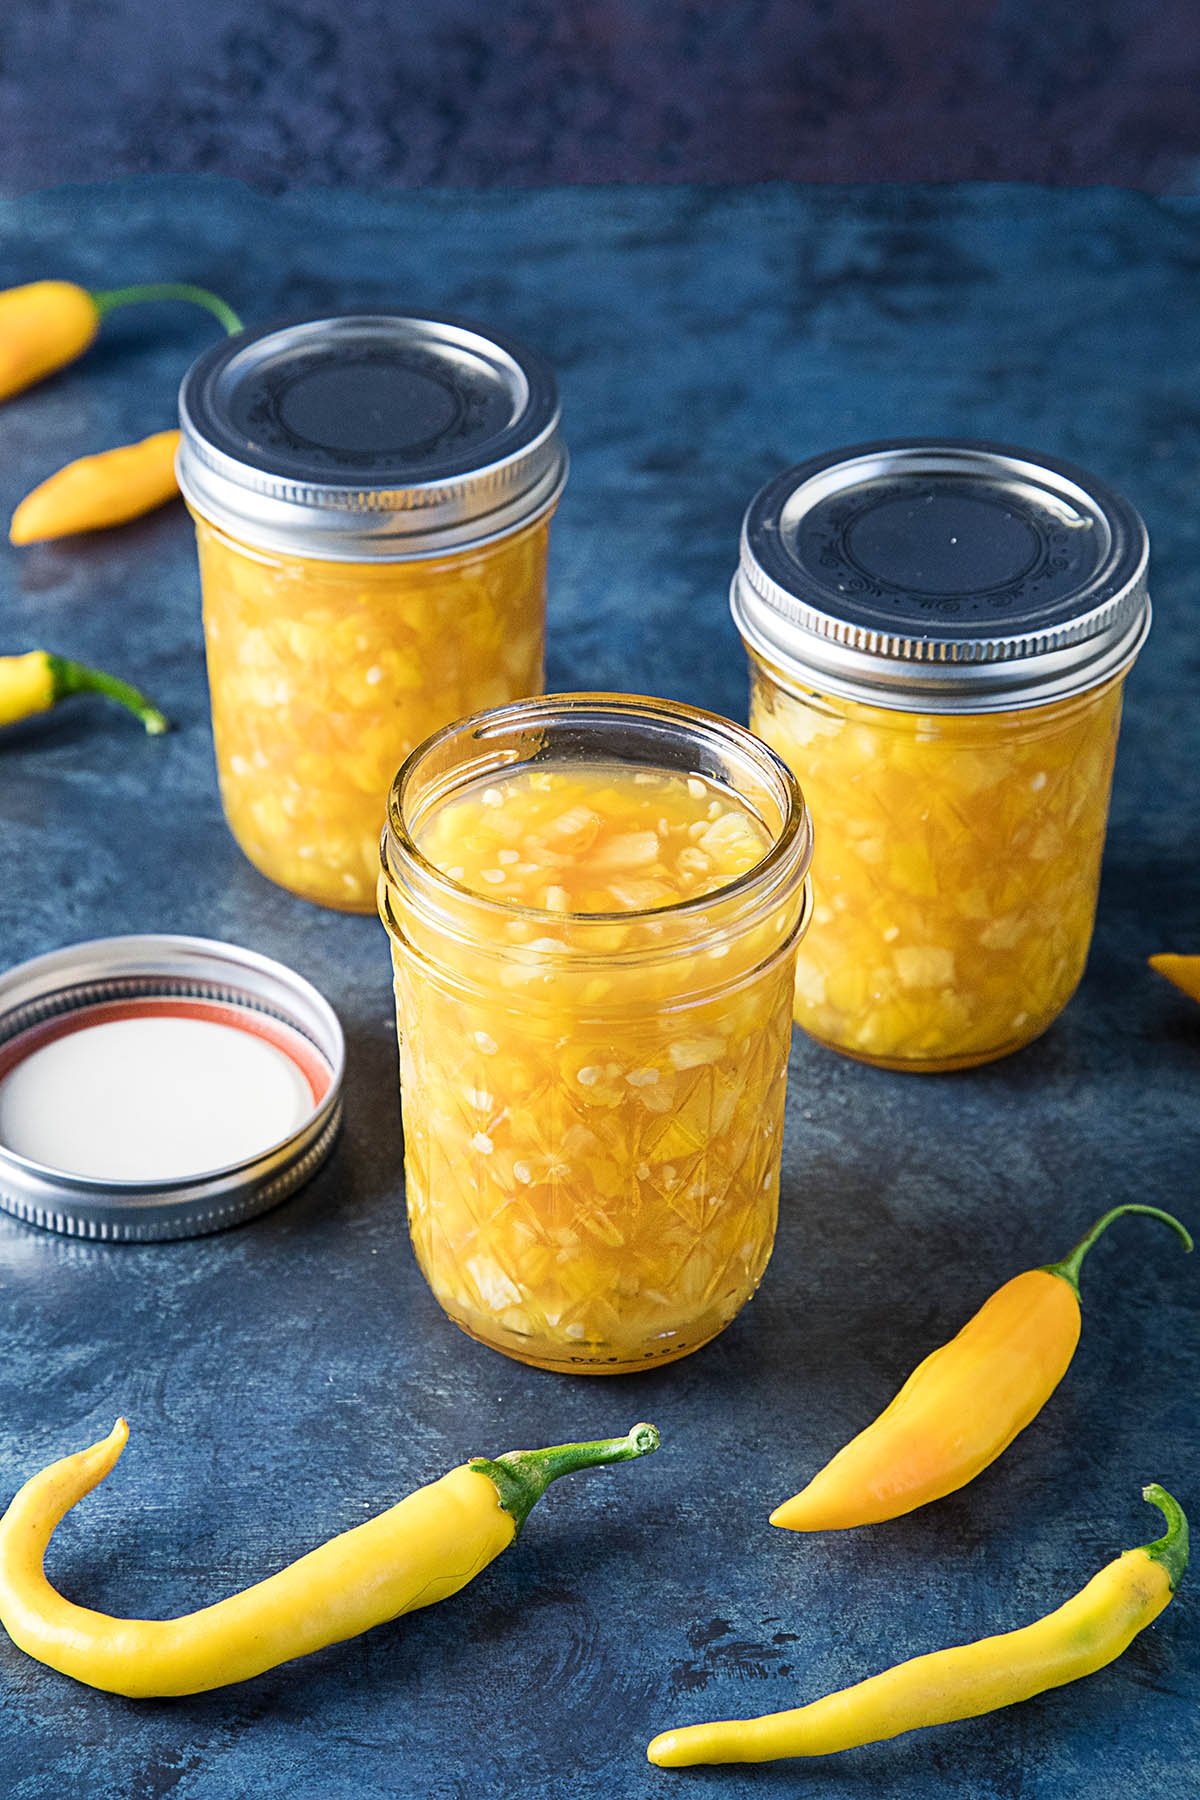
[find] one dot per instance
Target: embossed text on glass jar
(593, 1099)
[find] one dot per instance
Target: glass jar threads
(594, 903)
(938, 636)
(372, 498)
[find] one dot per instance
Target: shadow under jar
(938, 637)
(594, 903)
(372, 498)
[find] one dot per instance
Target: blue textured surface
(286, 93)
(289, 1378)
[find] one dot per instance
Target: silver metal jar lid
(112, 979)
(374, 437)
(942, 576)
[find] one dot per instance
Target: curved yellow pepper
(1091, 1630)
(42, 326)
(1184, 971)
(420, 1551)
(35, 682)
(963, 1405)
(97, 491)
(46, 324)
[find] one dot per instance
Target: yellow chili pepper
(35, 682)
(1184, 971)
(46, 324)
(963, 1405)
(102, 490)
(420, 1551)
(42, 326)
(1090, 1631)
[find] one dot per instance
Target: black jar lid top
(370, 436)
(942, 576)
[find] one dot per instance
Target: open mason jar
(938, 636)
(594, 903)
(372, 498)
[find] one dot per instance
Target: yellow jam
(955, 870)
(324, 675)
(594, 840)
(592, 1075)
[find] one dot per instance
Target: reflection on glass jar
(372, 499)
(594, 905)
(955, 739)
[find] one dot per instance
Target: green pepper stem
(521, 1477)
(76, 678)
(110, 298)
(1171, 1550)
(1069, 1267)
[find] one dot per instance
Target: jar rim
(363, 437)
(946, 575)
(788, 858)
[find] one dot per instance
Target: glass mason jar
(938, 637)
(372, 498)
(593, 1101)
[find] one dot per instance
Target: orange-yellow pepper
(1184, 971)
(964, 1404)
(102, 490)
(42, 326)
(46, 324)
(35, 682)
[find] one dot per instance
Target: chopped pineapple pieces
(955, 869)
(324, 675)
(613, 1204)
(630, 848)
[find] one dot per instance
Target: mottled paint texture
(285, 92)
(288, 1378)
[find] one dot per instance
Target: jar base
(566, 1364)
(361, 907)
(933, 1065)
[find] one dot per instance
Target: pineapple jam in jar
(594, 903)
(938, 637)
(372, 498)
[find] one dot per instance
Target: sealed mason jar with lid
(372, 497)
(938, 636)
(594, 903)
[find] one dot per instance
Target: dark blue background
(287, 1379)
(479, 94)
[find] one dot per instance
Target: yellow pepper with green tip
(97, 491)
(46, 324)
(35, 682)
(964, 1404)
(1088, 1632)
(418, 1552)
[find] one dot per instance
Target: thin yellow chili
(964, 1404)
(418, 1552)
(35, 682)
(47, 324)
(98, 491)
(1089, 1631)
(1184, 971)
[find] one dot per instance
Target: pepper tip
(791, 1515)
